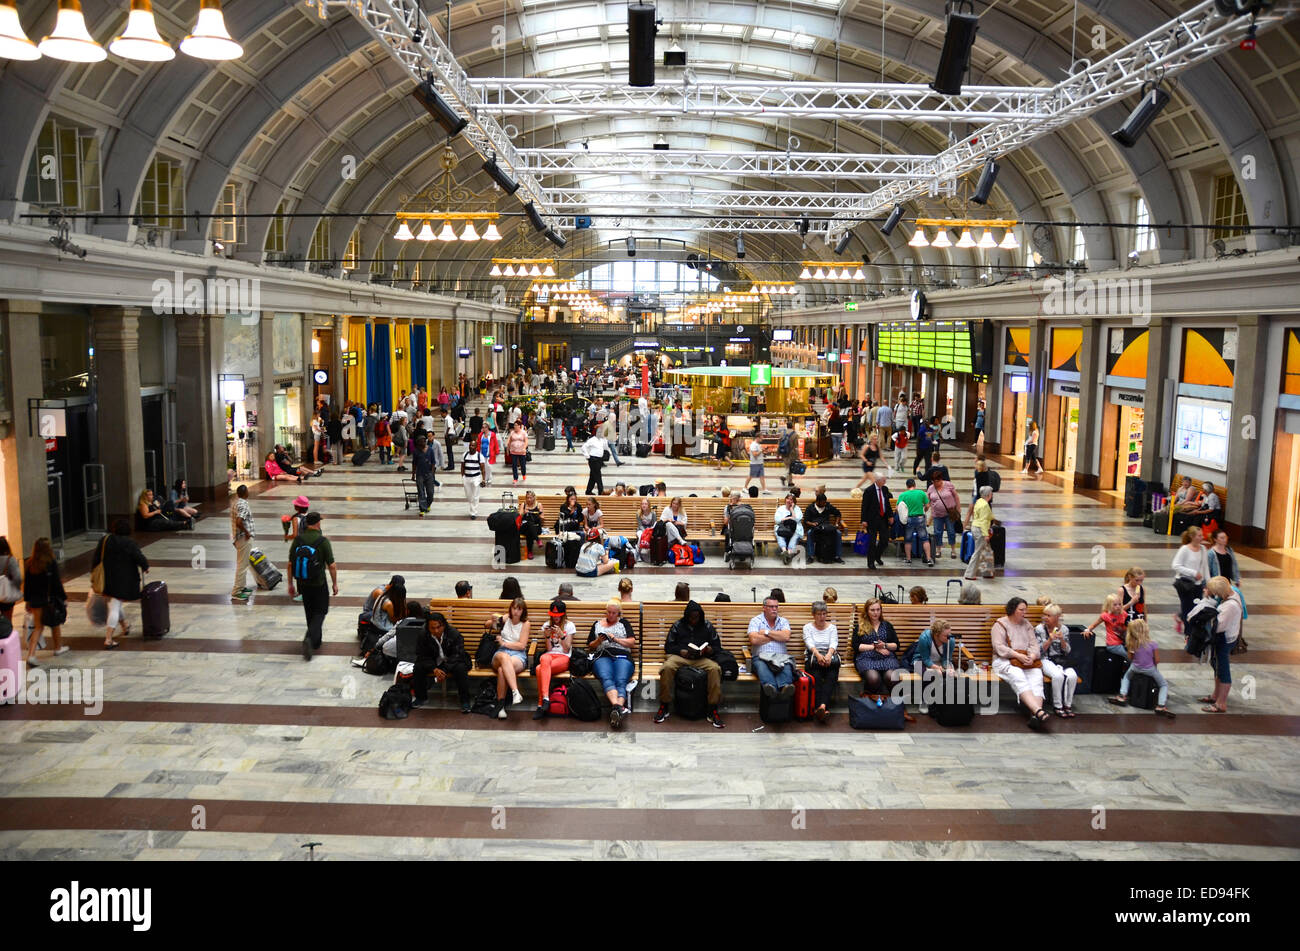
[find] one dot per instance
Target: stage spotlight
(954, 61)
(892, 221)
(539, 224)
(499, 175)
(1154, 98)
(843, 243)
(988, 178)
(442, 112)
(556, 238)
(631, 246)
(740, 245)
(804, 225)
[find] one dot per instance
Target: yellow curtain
(357, 345)
(401, 375)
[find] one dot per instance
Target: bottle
(713, 527)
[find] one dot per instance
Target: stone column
(121, 422)
(1153, 436)
(266, 434)
(1087, 469)
(27, 497)
(200, 424)
(1245, 454)
(334, 360)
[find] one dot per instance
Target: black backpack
(727, 661)
(378, 663)
(485, 701)
(1199, 630)
(584, 703)
(995, 480)
(395, 702)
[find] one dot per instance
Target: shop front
(1284, 492)
(1059, 429)
(1123, 408)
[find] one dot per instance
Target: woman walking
(47, 604)
(123, 563)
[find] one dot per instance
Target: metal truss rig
(819, 165)
(728, 98)
(396, 24)
(790, 203)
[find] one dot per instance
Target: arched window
(647, 277)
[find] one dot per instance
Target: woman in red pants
(556, 647)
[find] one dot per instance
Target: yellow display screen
(926, 345)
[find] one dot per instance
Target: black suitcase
(571, 549)
(998, 542)
(954, 713)
(658, 549)
(267, 575)
(824, 545)
(548, 443)
(775, 709)
(154, 609)
(691, 693)
(864, 714)
(642, 450)
(360, 456)
(1081, 658)
(554, 553)
(506, 535)
(1107, 671)
(1142, 691)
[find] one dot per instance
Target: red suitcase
(805, 696)
(154, 609)
(11, 666)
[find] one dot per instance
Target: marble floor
(220, 742)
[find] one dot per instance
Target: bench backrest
(1199, 486)
(620, 512)
(469, 615)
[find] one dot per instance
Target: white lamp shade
(426, 233)
(469, 233)
(140, 41)
(210, 39)
(14, 43)
(941, 240)
(496, 270)
(403, 232)
(1009, 242)
(967, 240)
(550, 270)
(859, 275)
(509, 270)
(535, 271)
(919, 240)
(491, 234)
(805, 274)
(845, 275)
(819, 275)
(987, 241)
(71, 41)
(447, 233)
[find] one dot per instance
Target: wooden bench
(1199, 486)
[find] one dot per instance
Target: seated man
(768, 635)
(286, 464)
(440, 653)
(821, 520)
(691, 628)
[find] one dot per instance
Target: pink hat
(301, 502)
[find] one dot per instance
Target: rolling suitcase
(998, 542)
(691, 694)
(554, 553)
(658, 549)
(267, 575)
(805, 695)
(1107, 671)
(360, 456)
(548, 443)
(967, 547)
(11, 666)
(154, 609)
(642, 450)
(1142, 691)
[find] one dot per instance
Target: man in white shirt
(768, 635)
(884, 417)
(594, 451)
(472, 466)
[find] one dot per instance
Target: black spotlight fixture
(892, 221)
(954, 61)
(692, 261)
(631, 246)
(556, 238)
(804, 225)
(641, 31)
(988, 178)
(539, 224)
(740, 245)
(1154, 98)
(842, 245)
(452, 123)
(500, 176)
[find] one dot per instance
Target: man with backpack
(309, 557)
(423, 467)
(691, 629)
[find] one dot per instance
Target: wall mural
(286, 332)
(241, 349)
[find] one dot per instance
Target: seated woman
(674, 520)
(1054, 649)
(151, 518)
(645, 514)
(283, 460)
(592, 516)
(387, 605)
(821, 641)
(180, 501)
(556, 648)
(875, 649)
(511, 657)
(593, 560)
(1016, 659)
(530, 520)
(611, 642)
(1184, 500)
(787, 525)
(570, 517)
(275, 473)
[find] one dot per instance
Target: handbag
(11, 593)
(55, 613)
(97, 573)
(487, 649)
(861, 543)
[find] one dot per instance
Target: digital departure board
(937, 345)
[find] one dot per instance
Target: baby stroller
(740, 534)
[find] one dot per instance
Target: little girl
(1145, 654)
(1115, 621)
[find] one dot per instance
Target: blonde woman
(675, 520)
(1145, 660)
(1054, 650)
(1031, 449)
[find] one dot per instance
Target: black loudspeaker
(988, 178)
(534, 217)
(440, 109)
(1153, 100)
(954, 61)
(892, 221)
(641, 45)
(843, 243)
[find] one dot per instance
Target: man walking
(917, 504)
(241, 532)
(594, 450)
(309, 557)
(788, 450)
(423, 466)
(471, 472)
(877, 516)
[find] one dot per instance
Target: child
(899, 440)
(1115, 621)
(1145, 656)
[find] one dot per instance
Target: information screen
(780, 335)
(939, 346)
(1201, 432)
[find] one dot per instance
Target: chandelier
(440, 198)
(830, 271)
(965, 227)
(523, 267)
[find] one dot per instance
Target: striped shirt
(473, 461)
(241, 509)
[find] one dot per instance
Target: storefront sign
(1127, 397)
(488, 341)
(760, 374)
(1019, 382)
(645, 345)
(1066, 389)
(850, 306)
(463, 353)
(846, 357)
(51, 445)
(739, 340)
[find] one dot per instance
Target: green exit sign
(488, 341)
(760, 374)
(850, 305)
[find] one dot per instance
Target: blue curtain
(383, 378)
(372, 390)
(419, 356)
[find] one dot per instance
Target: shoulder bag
(97, 573)
(10, 593)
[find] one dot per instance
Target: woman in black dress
(46, 601)
(875, 649)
